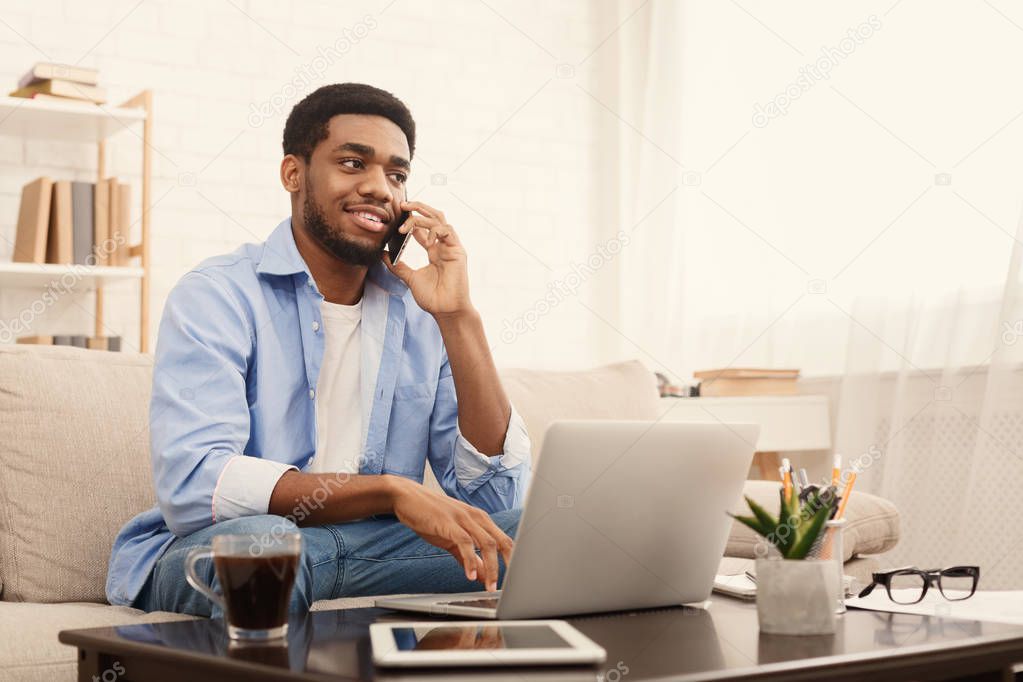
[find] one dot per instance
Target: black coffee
(257, 590)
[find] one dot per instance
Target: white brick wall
(518, 186)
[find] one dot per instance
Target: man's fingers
(425, 209)
(506, 546)
(429, 231)
(418, 221)
(488, 548)
(465, 551)
(504, 543)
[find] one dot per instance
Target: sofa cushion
(74, 466)
(872, 523)
(29, 649)
(624, 390)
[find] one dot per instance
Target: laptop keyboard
(489, 603)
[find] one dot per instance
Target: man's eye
(400, 177)
(344, 161)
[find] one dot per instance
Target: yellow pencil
(845, 494)
(786, 478)
(836, 470)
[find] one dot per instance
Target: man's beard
(335, 241)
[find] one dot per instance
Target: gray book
(61, 340)
(114, 343)
(83, 196)
(80, 341)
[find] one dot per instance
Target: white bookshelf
(83, 277)
(84, 122)
(69, 122)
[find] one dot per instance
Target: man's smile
(369, 218)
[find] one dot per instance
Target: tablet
(482, 643)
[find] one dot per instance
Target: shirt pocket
(408, 438)
(425, 390)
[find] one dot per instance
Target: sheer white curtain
(941, 440)
(867, 234)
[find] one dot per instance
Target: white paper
(997, 607)
(735, 585)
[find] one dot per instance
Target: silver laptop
(620, 515)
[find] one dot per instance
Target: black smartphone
(396, 241)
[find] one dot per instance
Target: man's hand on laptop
(442, 521)
(455, 527)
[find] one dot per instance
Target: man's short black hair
(307, 123)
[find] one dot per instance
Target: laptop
(620, 515)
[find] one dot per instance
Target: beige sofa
(74, 466)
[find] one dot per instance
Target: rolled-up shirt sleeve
(490, 482)
(245, 485)
(199, 418)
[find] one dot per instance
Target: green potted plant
(796, 595)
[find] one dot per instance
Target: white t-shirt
(338, 406)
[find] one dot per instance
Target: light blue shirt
(234, 390)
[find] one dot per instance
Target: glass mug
(829, 546)
(256, 576)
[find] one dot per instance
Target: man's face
(354, 183)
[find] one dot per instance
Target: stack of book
(61, 82)
(69, 222)
(747, 382)
(112, 343)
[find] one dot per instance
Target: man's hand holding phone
(442, 286)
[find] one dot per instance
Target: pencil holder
(829, 547)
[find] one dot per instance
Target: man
(302, 384)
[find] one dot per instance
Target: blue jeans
(362, 558)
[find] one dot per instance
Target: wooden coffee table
(719, 643)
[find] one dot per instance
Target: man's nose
(374, 184)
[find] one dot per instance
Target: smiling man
(303, 385)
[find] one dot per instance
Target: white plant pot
(796, 597)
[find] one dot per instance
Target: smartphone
(397, 242)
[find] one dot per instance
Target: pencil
(786, 478)
(845, 494)
(836, 470)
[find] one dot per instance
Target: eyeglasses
(910, 585)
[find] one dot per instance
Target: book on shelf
(33, 221)
(43, 97)
(59, 247)
(63, 222)
(747, 373)
(101, 220)
(42, 71)
(83, 202)
(68, 89)
(112, 343)
(39, 340)
(747, 381)
(120, 223)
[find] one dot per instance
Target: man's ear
(291, 173)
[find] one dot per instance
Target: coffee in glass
(256, 576)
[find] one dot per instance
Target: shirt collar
(281, 257)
